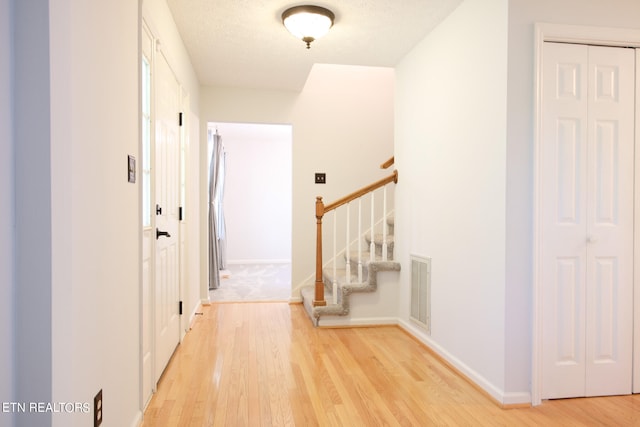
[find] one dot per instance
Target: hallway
(253, 283)
(264, 364)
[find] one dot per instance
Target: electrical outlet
(321, 178)
(97, 409)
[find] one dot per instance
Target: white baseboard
(326, 321)
(192, 316)
(502, 397)
(259, 261)
(137, 420)
(513, 398)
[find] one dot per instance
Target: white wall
(33, 241)
(342, 125)
(77, 265)
(257, 198)
(63, 299)
(450, 199)
(522, 17)
(6, 213)
(95, 211)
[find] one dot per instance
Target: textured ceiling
(242, 43)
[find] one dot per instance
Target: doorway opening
(253, 219)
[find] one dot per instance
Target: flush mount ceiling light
(308, 23)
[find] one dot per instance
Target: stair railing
(388, 163)
(322, 209)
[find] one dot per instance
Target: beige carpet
(253, 282)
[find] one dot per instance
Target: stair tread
(366, 258)
(341, 274)
(378, 238)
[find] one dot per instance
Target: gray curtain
(217, 229)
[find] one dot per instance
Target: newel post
(318, 299)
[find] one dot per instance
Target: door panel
(167, 296)
(587, 220)
(568, 320)
(563, 154)
(609, 249)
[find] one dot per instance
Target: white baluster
(372, 245)
(359, 237)
(335, 258)
(347, 252)
(384, 223)
(335, 292)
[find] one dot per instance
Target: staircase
(352, 272)
(370, 277)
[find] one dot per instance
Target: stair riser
(365, 270)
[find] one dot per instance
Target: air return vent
(421, 291)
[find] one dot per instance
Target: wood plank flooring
(263, 364)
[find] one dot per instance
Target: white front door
(167, 259)
(587, 158)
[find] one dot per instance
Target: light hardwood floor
(263, 364)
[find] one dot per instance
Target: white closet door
(610, 166)
(587, 219)
(167, 258)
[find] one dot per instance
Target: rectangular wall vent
(421, 291)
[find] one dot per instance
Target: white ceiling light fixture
(308, 23)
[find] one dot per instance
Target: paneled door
(167, 258)
(586, 218)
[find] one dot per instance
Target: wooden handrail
(388, 163)
(361, 192)
(321, 209)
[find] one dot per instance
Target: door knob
(162, 233)
(591, 239)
